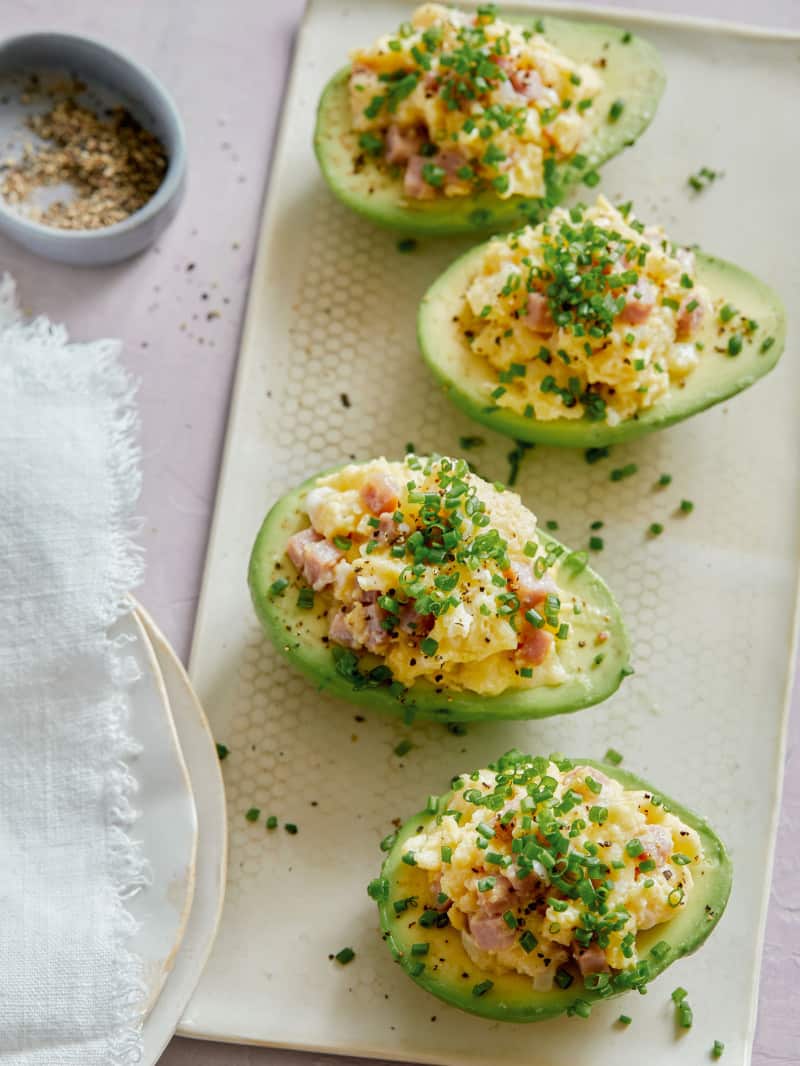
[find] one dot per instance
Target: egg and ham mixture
(464, 102)
(438, 573)
(544, 863)
(590, 314)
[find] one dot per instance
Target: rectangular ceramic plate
(710, 604)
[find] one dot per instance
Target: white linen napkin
(69, 477)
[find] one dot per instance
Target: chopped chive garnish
(253, 814)
(727, 313)
(528, 941)
(278, 587)
(407, 244)
(388, 841)
(655, 529)
(621, 472)
(664, 480)
(223, 751)
(734, 344)
(624, 1019)
(344, 956)
(272, 822)
(290, 828)
(305, 599)
(525, 671)
(596, 543)
(447, 853)
(594, 455)
(717, 1049)
(429, 646)
(408, 858)
(613, 757)
(687, 506)
(679, 994)
(421, 948)
(615, 110)
(482, 988)
(403, 748)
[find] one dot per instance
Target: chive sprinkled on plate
(223, 751)
(403, 748)
(344, 956)
(253, 814)
(272, 822)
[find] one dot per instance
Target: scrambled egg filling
(543, 864)
(590, 314)
(466, 102)
(438, 573)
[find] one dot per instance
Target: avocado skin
(298, 635)
(512, 999)
(633, 72)
(718, 377)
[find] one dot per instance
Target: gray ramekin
(151, 105)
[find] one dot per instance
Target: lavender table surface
(179, 309)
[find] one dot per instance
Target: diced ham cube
(526, 82)
(535, 645)
(380, 494)
(401, 144)
(497, 900)
(491, 933)
(341, 633)
(297, 544)
(688, 322)
(412, 622)
(376, 636)
(314, 557)
(414, 185)
(640, 300)
(530, 590)
(538, 317)
(591, 960)
(389, 531)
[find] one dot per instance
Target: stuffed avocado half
(592, 329)
(419, 588)
(470, 122)
(543, 885)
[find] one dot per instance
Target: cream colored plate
(203, 766)
(710, 604)
(167, 827)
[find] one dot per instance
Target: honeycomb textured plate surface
(330, 372)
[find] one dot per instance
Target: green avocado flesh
(450, 974)
(468, 379)
(632, 73)
(301, 634)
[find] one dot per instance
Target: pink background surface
(179, 307)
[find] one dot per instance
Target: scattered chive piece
(767, 344)
(687, 506)
(678, 994)
(470, 442)
(597, 525)
(726, 313)
(734, 344)
(416, 968)
(593, 455)
(447, 853)
(525, 671)
(510, 919)
(592, 178)
(420, 949)
(278, 587)
(625, 1019)
(482, 988)
(223, 752)
(408, 858)
(717, 1049)
(582, 1008)
(551, 524)
(253, 814)
(291, 828)
(272, 822)
(305, 598)
(615, 110)
(403, 748)
(655, 529)
(612, 756)
(343, 543)
(344, 956)
(429, 646)
(596, 544)
(626, 38)
(685, 1015)
(620, 472)
(407, 244)
(388, 842)
(664, 480)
